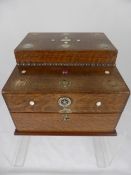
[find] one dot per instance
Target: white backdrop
(17, 18)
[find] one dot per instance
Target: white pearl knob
(98, 103)
(32, 103)
(107, 72)
(23, 71)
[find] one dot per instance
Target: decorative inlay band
(66, 64)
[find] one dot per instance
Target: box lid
(66, 49)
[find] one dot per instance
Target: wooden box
(80, 92)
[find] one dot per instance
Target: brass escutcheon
(64, 102)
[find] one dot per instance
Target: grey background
(67, 155)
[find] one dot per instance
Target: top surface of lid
(65, 41)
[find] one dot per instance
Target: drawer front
(46, 122)
(79, 103)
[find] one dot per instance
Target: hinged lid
(66, 49)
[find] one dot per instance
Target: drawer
(46, 122)
(79, 103)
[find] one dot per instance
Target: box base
(113, 133)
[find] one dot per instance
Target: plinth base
(113, 133)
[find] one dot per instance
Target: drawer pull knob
(23, 71)
(64, 102)
(98, 103)
(107, 72)
(32, 103)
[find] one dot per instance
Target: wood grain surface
(66, 47)
(47, 80)
(81, 103)
(86, 89)
(40, 122)
(62, 133)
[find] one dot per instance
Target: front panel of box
(47, 122)
(79, 102)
